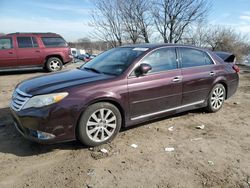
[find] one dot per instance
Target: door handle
(37, 51)
(212, 73)
(177, 79)
(10, 52)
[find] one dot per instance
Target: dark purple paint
(134, 96)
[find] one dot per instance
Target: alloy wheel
(101, 125)
(217, 98)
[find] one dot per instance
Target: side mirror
(144, 68)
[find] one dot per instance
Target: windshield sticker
(140, 49)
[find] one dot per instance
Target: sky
(70, 18)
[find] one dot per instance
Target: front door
(159, 89)
(8, 57)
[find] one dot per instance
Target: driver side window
(161, 60)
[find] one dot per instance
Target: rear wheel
(99, 124)
(54, 64)
(216, 98)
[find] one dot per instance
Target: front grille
(19, 99)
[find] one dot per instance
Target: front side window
(24, 42)
(161, 60)
(114, 61)
(54, 42)
(5, 43)
(193, 58)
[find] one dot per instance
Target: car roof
(32, 33)
(154, 46)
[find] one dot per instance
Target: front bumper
(43, 125)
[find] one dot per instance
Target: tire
(54, 64)
(93, 130)
(216, 98)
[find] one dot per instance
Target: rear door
(198, 71)
(28, 51)
(8, 57)
(159, 89)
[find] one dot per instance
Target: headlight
(44, 100)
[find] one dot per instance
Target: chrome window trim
(177, 59)
(206, 52)
(167, 110)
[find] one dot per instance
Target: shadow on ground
(5, 73)
(11, 142)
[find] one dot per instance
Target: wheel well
(225, 86)
(57, 56)
(117, 105)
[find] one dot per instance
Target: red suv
(33, 50)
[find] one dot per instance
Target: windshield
(114, 61)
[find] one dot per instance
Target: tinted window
(35, 45)
(24, 42)
(54, 41)
(161, 60)
(208, 60)
(5, 43)
(27, 42)
(114, 61)
(193, 58)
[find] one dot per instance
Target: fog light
(44, 136)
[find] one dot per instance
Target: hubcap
(101, 125)
(217, 98)
(55, 65)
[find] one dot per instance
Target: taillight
(236, 68)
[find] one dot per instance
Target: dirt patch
(216, 156)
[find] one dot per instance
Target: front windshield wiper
(92, 69)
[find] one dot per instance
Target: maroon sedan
(119, 88)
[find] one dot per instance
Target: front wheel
(216, 98)
(99, 124)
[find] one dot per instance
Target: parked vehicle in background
(119, 88)
(83, 57)
(20, 51)
(74, 52)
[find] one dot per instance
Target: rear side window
(54, 42)
(35, 45)
(24, 42)
(27, 42)
(193, 58)
(161, 60)
(5, 43)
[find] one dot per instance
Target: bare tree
(219, 38)
(107, 21)
(142, 17)
(129, 19)
(172, 17)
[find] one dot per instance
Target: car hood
(57, 81)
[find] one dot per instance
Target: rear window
(54, 41)
(5, 43)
